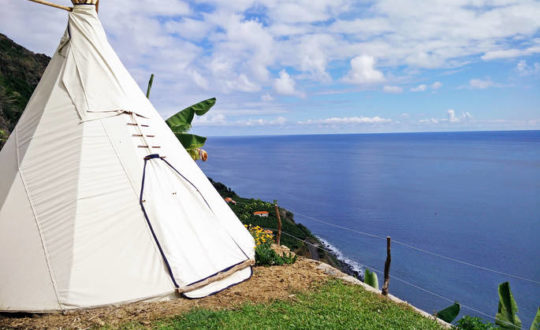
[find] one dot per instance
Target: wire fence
(407, 245)
(408, 283)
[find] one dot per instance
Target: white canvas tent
(99, 202)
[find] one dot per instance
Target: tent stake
(47, 3)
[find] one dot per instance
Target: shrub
(474, 323)
(264, 255)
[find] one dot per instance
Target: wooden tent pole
(97, 6)
(47, 3)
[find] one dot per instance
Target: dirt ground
(267, 284)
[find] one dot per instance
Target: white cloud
(304, 11)
(220, 120)
(363, 71)
(188, 28)
(267, 97)
(285, 85)
(261, 122)
(242, 83)
(423, 87)
(510, 53)
(210, 119)
(480, 83)
(419, 88)
(451, 118)
(522, 66)
(436, 85)
(429, 121)
(232, 47)
(524, 69)
(199, 80)
(392, 89)
(346, 120)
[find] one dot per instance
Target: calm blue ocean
(474, 196)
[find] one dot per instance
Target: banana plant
(506, 316)
(370, 278)
(180, 124)
(450, 313)
(536, 322)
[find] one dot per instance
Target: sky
(320, 66)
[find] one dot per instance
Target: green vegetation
(295, 236)
(3, 137)
(371, 279)
(450, 313)
(536, 322)
(506, 316)
(180, 124)
(333, 306)
(20, 71)
(474, 323)
(244, 209)
(265, 256)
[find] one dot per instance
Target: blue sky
(322, 66)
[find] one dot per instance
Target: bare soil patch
(267, 284)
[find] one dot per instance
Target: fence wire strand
(420, 249)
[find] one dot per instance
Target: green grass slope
(335, 305)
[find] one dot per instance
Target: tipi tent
(99, 202)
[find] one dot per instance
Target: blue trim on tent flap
(169, 269)
(152, 229)
(152, 156)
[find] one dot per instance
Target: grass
(335, 305)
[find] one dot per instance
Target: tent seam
(119, 159)
(43, 245)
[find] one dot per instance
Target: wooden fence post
(387, 267)
(278, 237)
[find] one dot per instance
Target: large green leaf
(191, 141)
(203, 107)
(182, 119)
(506, 316)
(536, 322)
(370, 278)
(180, 128)
(450, 313)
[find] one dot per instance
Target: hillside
(295, 235)
(20, 71)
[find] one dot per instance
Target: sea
(462, 208)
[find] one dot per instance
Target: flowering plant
(260, 235)
(264, 255)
